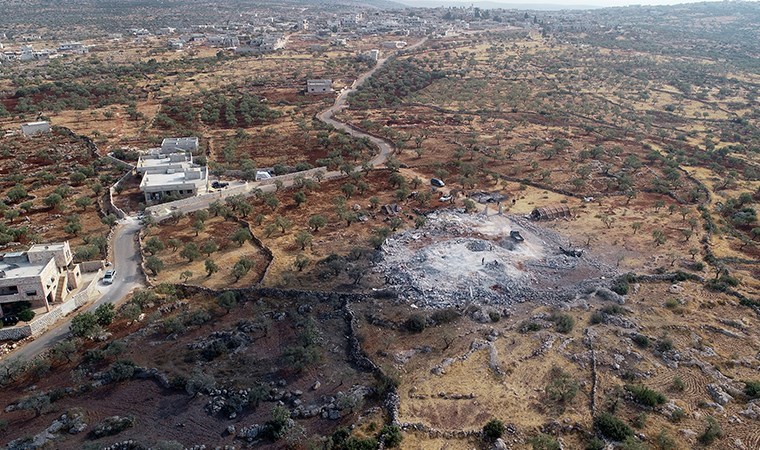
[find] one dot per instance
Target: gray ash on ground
(458, 258)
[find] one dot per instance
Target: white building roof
(20, 269)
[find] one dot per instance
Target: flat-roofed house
(186, 182)
(32, 128)
(180, 144)
(318, 86)
(156, 162)
(42, 275)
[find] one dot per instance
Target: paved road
(128, 277)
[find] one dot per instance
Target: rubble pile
(458, 258)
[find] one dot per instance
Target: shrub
(121, 370)
(677, 384)
(640, 340)
(611, 427)
(665, 442)
(563, 322)
(173, 325)
(562, 388)
(93, 356)
(84, 325)
(530, 326)
(391, 435)
(712, 432)
(356, 443)
(677, 415)
(645, 396)
(665, 345)
(613, 310)
(443, 316)
(671, 303)
(112, 425)
(752, 389)
(620, 286)
(105, 313)
(199, 382)
(640, 421)
(26, 315)
(386, 382)
(227, 300)
(544, 442)
(596, 444)
(596, 318)
(415, 323)
(631, 443)
(493, 429)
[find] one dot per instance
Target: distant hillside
(62, 17)
(495, 5)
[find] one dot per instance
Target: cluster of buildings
(43, 275)
(267, 29)
(168, 172)
(28, 53)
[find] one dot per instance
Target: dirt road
(326, 116)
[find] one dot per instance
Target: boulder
(718, 394)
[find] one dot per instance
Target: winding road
(326, 116)
(126, 262)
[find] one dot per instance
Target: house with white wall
(33, 128)
(42, 275)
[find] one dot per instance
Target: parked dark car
(437, 183)
(9, 321)
(219, 184)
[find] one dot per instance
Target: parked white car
(109, 276)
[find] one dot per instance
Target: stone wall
(43, 322)
(15, 333)
(92, 266)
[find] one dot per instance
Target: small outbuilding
(551, 212)
(32, 128)
(318, 86)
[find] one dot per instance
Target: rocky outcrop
(718, 394)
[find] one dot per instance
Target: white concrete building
(176, 44)
(318, 86)
(154, 161)
(32, 128)
(73, 47)
(272, 42)
(186, 182)
(27, 53)
(181, 144)
(42, 275)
